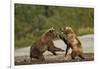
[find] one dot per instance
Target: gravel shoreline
(24, 60)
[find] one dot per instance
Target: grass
(31, 21)
(25, 41)
(84, 31)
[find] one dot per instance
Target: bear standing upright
(72, 42)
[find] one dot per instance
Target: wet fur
(43, 44)
(72, 42)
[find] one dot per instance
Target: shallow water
(86, 40)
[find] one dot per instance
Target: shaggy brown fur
(72, 42)
(43, 44)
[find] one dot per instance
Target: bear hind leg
(73, 55)
(41, 58)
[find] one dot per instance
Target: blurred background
(31, 21)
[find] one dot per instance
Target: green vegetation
(31, 21)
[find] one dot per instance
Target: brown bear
(43, 44)
(72, 42)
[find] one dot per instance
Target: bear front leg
(52, 51)
(68, 47)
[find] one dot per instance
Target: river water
(86, 40)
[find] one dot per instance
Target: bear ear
(68, 27)
(51, 29)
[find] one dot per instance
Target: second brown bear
(72, 42)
